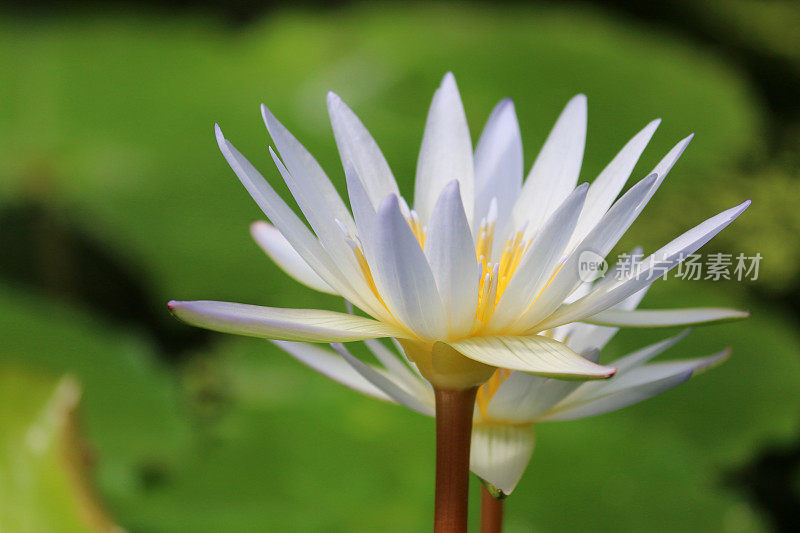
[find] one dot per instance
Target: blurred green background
(114, 199)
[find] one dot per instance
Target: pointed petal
(295, 231)
(644, 355)
(648, 318)
(331, 365)
(281, 252)
(556, 169)
(537, 266)
(629, 388)
(310, 325)
(665, 165)
(411, 381)
(310, 186)
(403, 276)
(598, 243)
(363, 211)
(607, 186)
(498, 163)
(446, 152)
(522, 398)
(451, 254)
(335, 244)
(534, 354)
(384, 382)
(357, 147)
(500, 453)
(652, 268)
(585, 337)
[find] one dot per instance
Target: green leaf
(44, 485)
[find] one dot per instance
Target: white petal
(500, 453)
(498, 163)
(665, 165)
(583, 337)
(357, 147)
(310, 325)
(403, 276)
(411, 381)
(652, 268)
(539, 263)
(522, 398)
(598, 243)
(556, 169)
(330, 364)
(295, 231)
(385, 383)
(618, 272)
(363, 211)
(446, 152)
(310, 186)
(632, 387)
(335, 243)
(286, 257)
(534, 354)
(607, 186)
(451, 254)
(644, 355)
(665, 317)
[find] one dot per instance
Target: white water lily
(470, 278)
(510, 404)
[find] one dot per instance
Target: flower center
(494, 276)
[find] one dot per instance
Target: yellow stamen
(362, 262)
(487, 391)
(496, 276)
(417, 229)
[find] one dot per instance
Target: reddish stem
(454, 410)
(491, 512)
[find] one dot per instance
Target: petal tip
(452, 187)
(650, 179)
(506, 104)
(388, 203)
(267, 115)
(259, 226)
(725, 354)
(333, 99)
(579, 99)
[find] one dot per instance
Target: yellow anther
(487, 391)
(496, 276)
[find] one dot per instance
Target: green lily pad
(44, 483)
(110, 124)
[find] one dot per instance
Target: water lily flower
(512, 402)
(469, 278)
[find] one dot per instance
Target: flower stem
(454, 410)
(491, 512)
